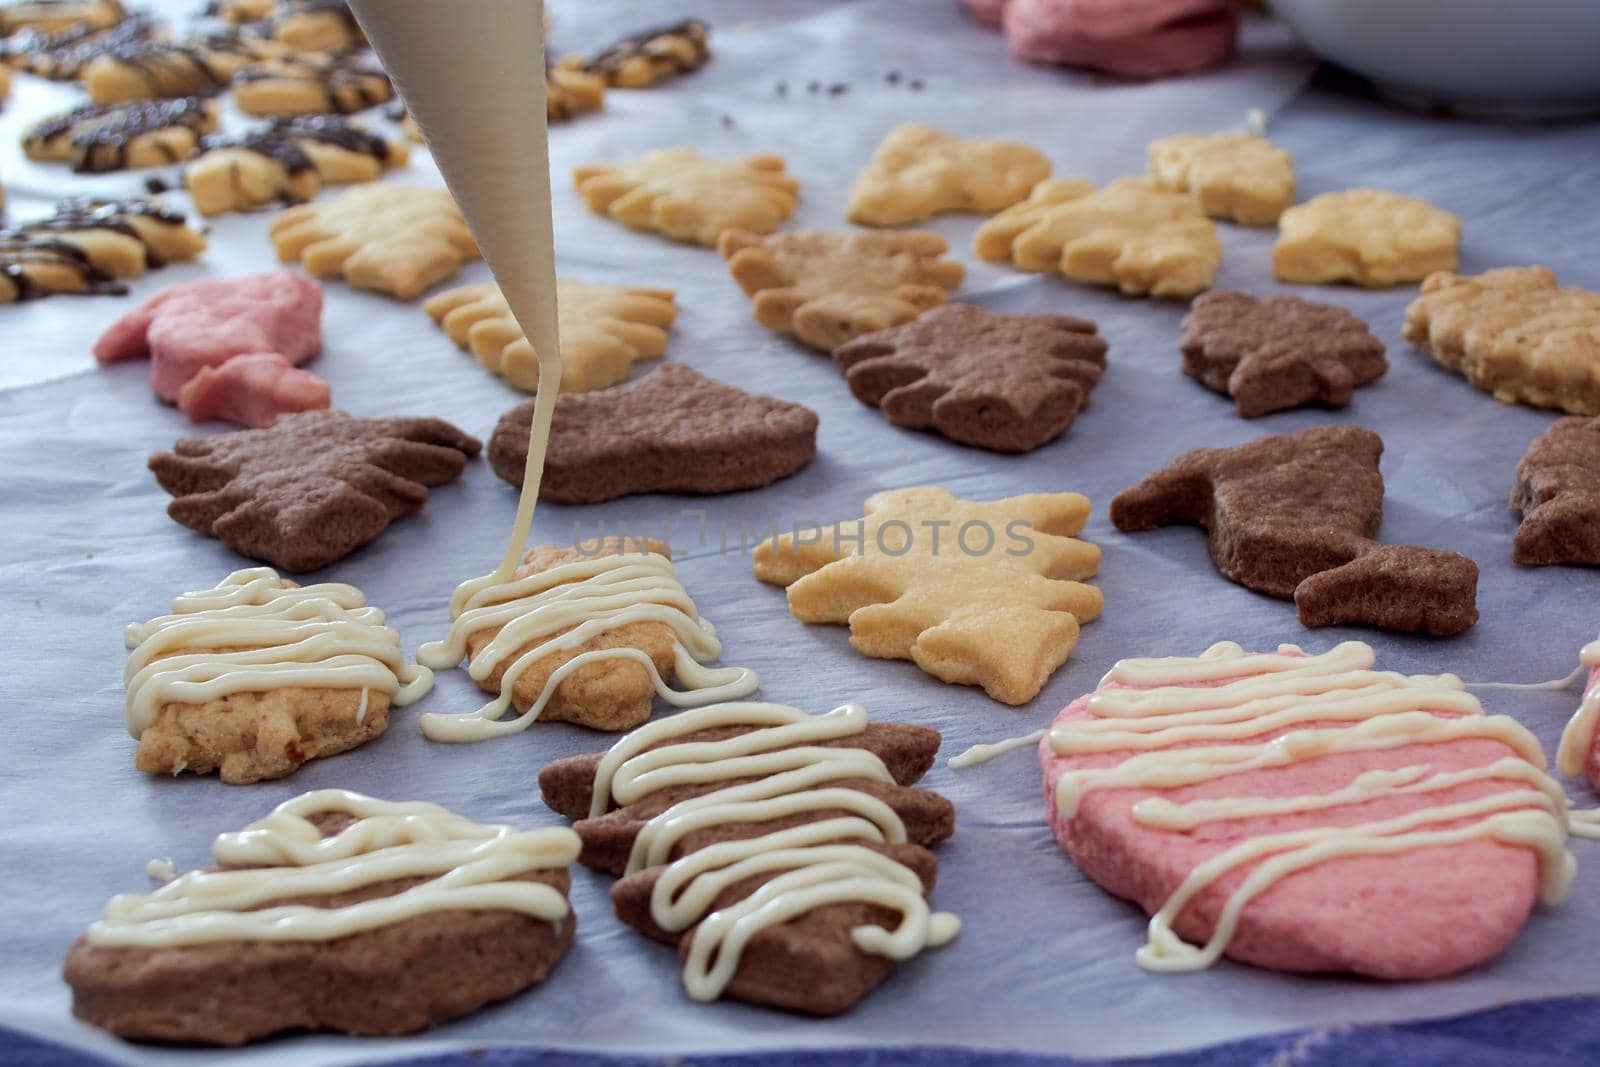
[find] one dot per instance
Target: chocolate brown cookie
(670, 431)
(311, 488)
(1278, 353)
(1558, 494)
(1295, 517)
(1008, 383)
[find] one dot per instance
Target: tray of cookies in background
(875, 358)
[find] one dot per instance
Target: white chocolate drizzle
(1273, 710)
(822, 862)
(255, 632)
(1578, 739)
(285, 856)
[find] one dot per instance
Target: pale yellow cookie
(58, 16)
(96, 138)
(1366, 237)
(975, 593)
(315, 27)
(289, 161)
(310, 84)
(1241, 177)
(240, 12)
(1514, 333)
(604, 330)
(395, 239)
(5, 84)
(918, 172)
(86, 244)
(828, 288)
(1131, 235)
(681, 194)
(572, 91)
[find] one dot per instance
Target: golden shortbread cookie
(571, 91)
(644, 58)
(612, 694)
(59, 16)
(681, 194)
(829, 288)
(1130, 235)
(1514, 333)
(918, 172)
(1366, 237)
(394, 239)
(96, 138)
(604, 330)
(290, 161)
(310, 83)
(88, 244)
(1241, 177)
(975, 593)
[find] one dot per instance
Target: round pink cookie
(1134, 38)
(1420, 914)
(987, 12)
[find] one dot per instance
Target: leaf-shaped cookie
(1365, 237)
(975, 593)
(1008, 383)
(918, 172)
(681, 194)
(826, 288)
(1130, 235)
(1558, 494)
(1238, 176)
(604, 330)
(311, 488)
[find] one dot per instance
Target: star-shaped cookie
(394, 239)
(826, 288)
(1558, 494)
(604, 330)
(975, 593)
(1278, 353)
(680, 194)
(311, 488)
(1008, 383)
(1130, 235)
(1515, 334)
(918, 172)
(1241, 177)
(1365, 237)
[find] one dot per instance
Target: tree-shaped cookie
(1558, 494)
(604, 329)
(1008, 383)
(1365, 237)
(1242, 177)
(312, 487)
(1514, 333)
(681, 194)
(918, 172)
(1295, 517)
(394, 239)
(1278, 353)
(1130, 235)
(827, 288)
(975, 593)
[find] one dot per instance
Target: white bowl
(1539, 54)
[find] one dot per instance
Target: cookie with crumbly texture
(826, 288)
(1241, 177)
(1515, 334)
(1296, 516)
(646, 57)
(604, 331)
(918, 172)
(97, 138)
(1129, 235)
(1365, 237)
(672, 430)
(1008, 383)
(1278, 353)
(1558, 494)
(398, 240)
(681, 194)
(387, 981)
(310, 84)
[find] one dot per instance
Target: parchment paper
(1045, 959)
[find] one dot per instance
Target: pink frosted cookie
(1135, 38)
(252, 390)
(1306, 813)
(1579, 753)
(187, 328)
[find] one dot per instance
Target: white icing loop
(1273, 710)
(782, 768)
(285, 856)
(256, 632)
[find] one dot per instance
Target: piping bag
(473, 77)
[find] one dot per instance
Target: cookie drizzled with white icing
(255, 632)
(1225, 712)
(777, 768)
(285, 856)
(1578, 740)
